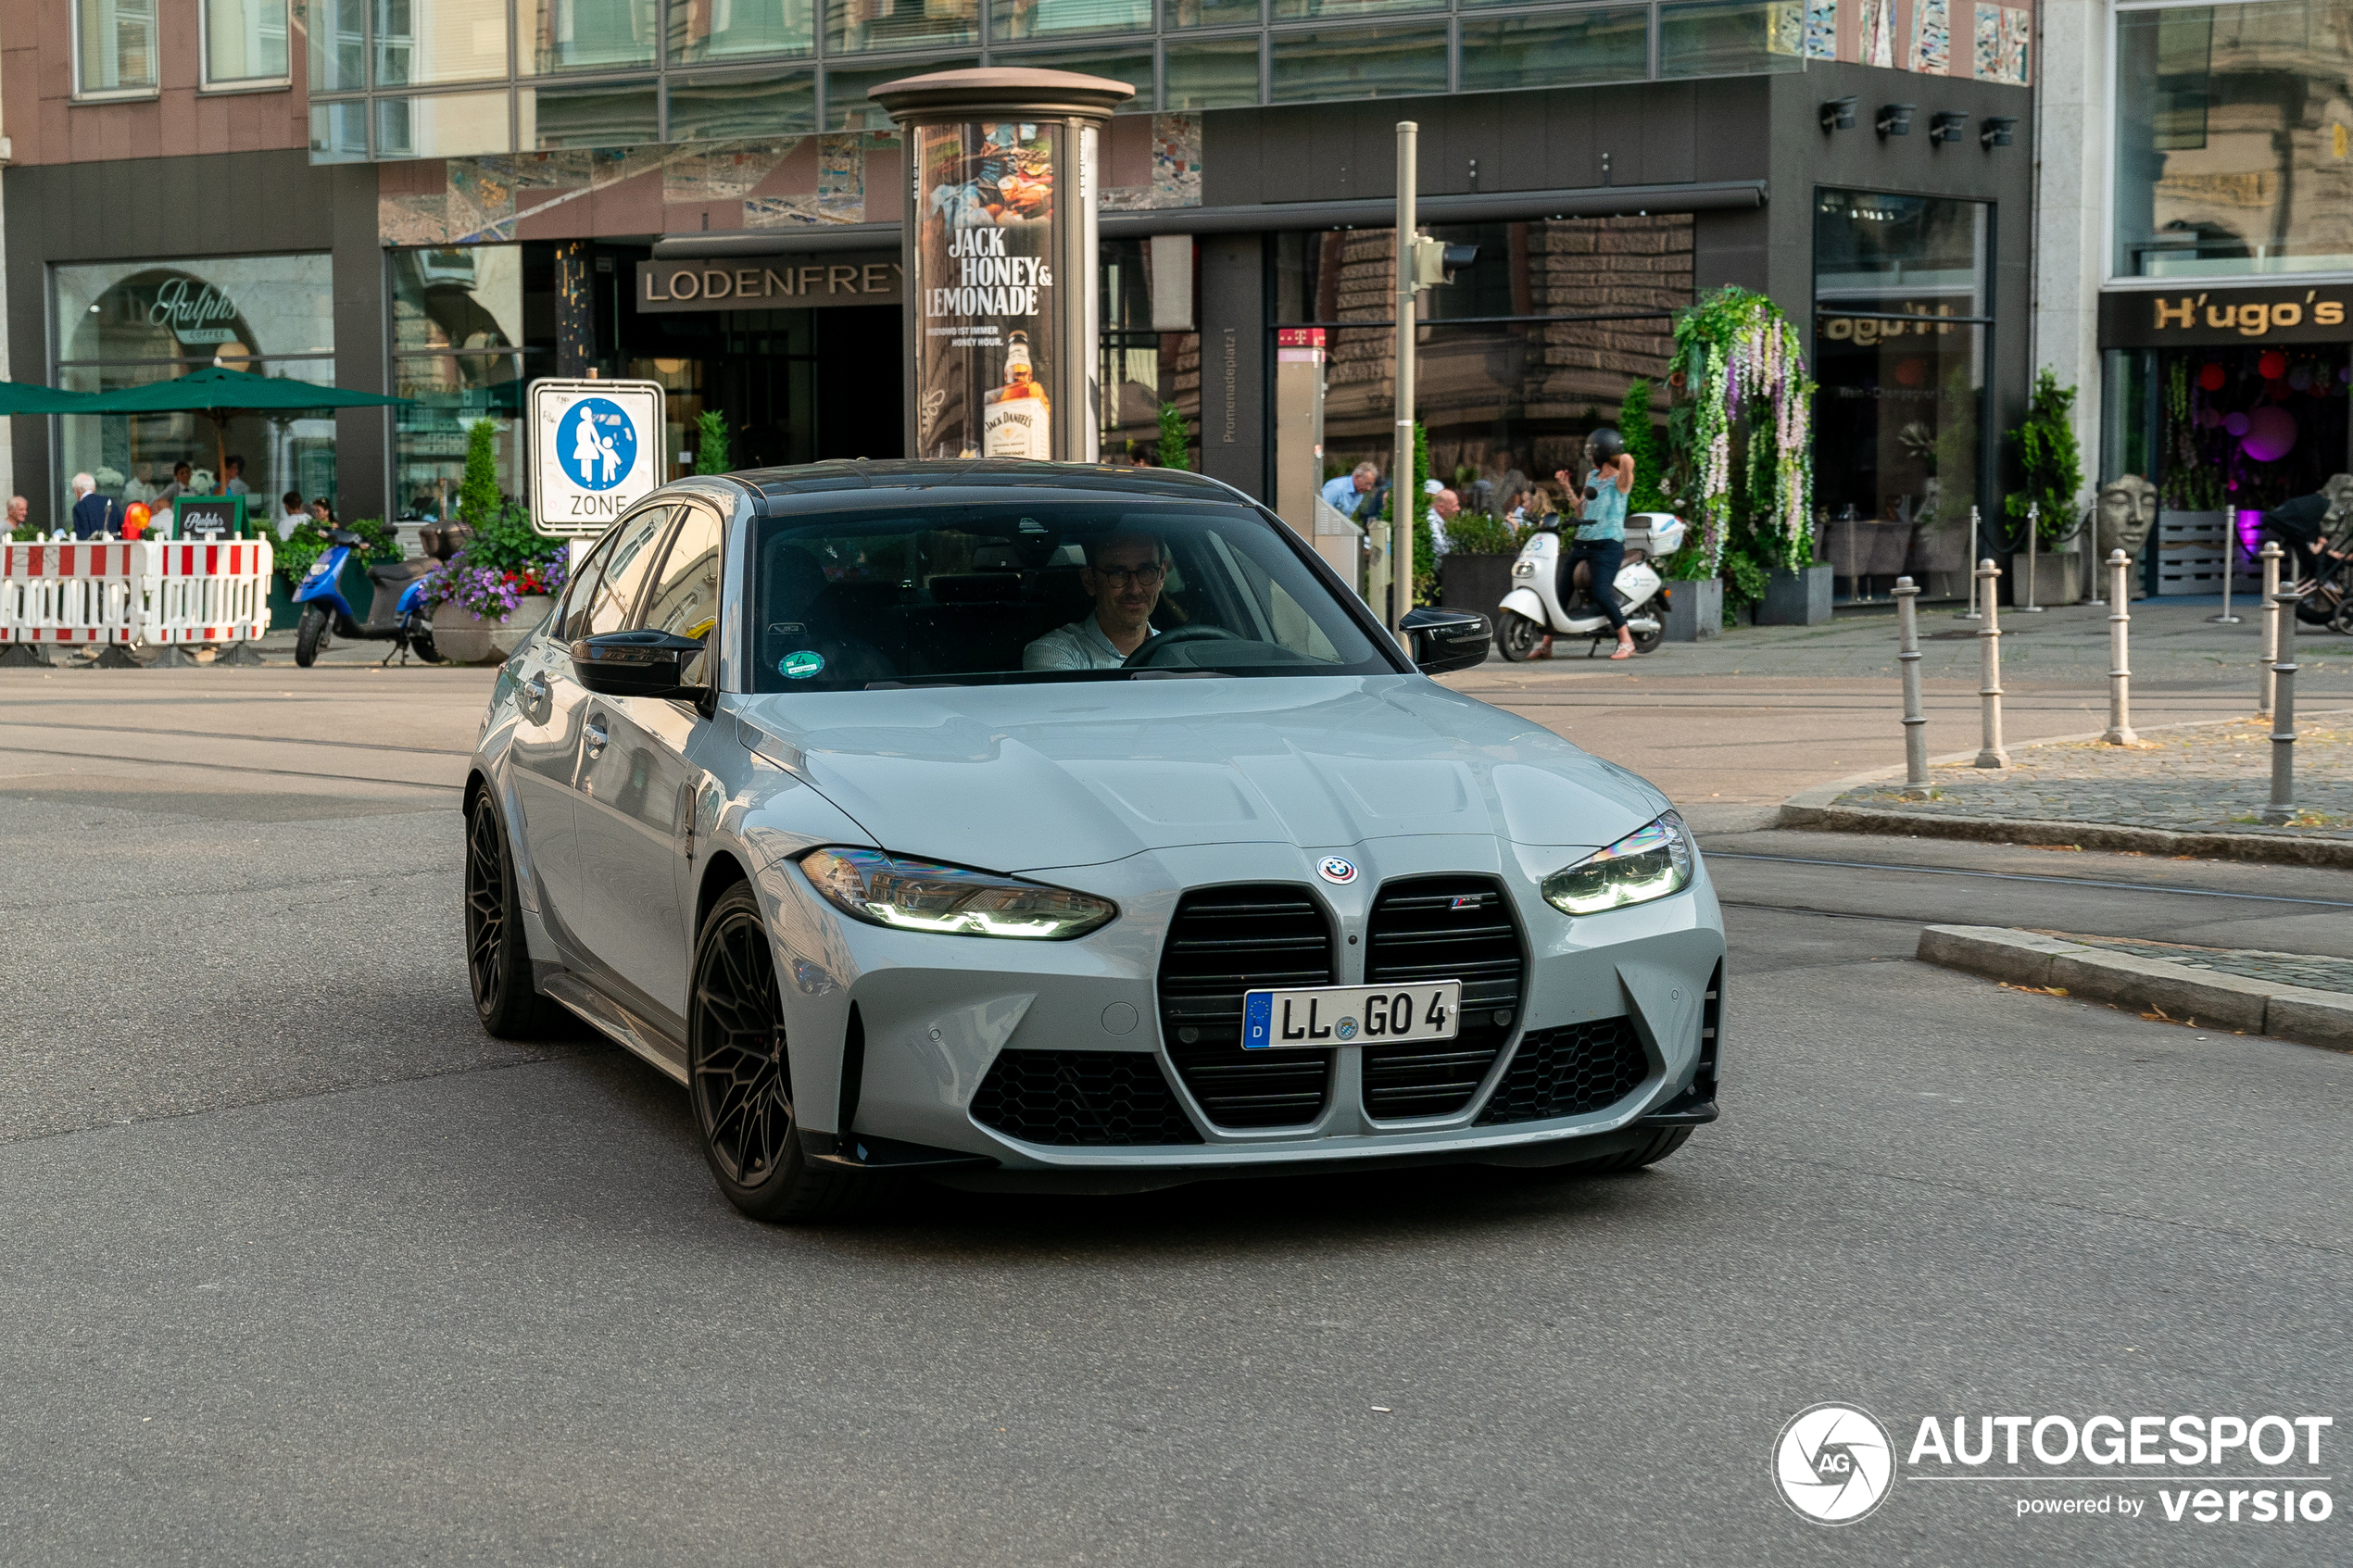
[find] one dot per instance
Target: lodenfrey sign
(770, 283)
(596, 451)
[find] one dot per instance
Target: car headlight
(884, 889)
(1651, 862)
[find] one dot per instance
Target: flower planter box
(1796, 599)
(1694, 610)
(464, 637)
(1475, 583)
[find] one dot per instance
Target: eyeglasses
(1142, 576)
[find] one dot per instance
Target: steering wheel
(1142, 658)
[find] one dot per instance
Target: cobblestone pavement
(2212, 778)
(2247, 963)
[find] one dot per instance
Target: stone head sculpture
(2127, 511)
(2339, 490)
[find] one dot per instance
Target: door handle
(597, 735)
(534, 691)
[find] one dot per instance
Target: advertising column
(1000, 260)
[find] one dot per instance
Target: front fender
(1524, 601)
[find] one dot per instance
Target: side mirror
(636, 664)
(1444, 640)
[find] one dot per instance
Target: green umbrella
(27, 397)
(222, 395)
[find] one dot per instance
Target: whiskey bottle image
(1016, 419)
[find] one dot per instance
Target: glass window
(464, 298)
(245, 41)
(1132, 65)
(1342, 10)
(2234, 139)
(727, 29)
(115, 43)
(848, 108)
(1901, 291)
(607, 115)
(738, 109)
(449, 393)
(1046, 18)
(422, 42)
(572, 620)
(853, 25)
(1556, 49)
(453, 125)
(631, 559)
(338, 46)
(685, 597)
(1176, 14)
(137, 456)
(585, 34)
(991, 594)
(339, 132)
(1359, 63)
(1730, 37)
(1211, 73)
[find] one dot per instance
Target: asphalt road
(300, 1267)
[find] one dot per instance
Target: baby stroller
(2319, 541)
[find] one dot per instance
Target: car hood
(1033, 777)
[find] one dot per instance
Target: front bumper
(901, 1030)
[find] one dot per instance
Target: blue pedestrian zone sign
(596, 443)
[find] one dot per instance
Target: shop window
(1556, 49)
(1175, 14)
(588, 35)
(1133, 66)
(1903, 314)
(1046, 18)
(115, 46)
(447, 125)
(611, 114)
(1210, 73)
(420, 43)
(1383, 62)
(1141, 370)
(465, 297)
(338, 31)
(2234, 139)
(729, 30)
(733, 109)
(449, 393)
(245, 42)
(1730, 37)
(854, 25)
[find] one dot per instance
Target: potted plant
(496, 590)
(2053, 471)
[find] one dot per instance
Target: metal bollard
(2281, 810)
(2034, 527)
(1989, 637)
(2229, 569)
(2270, 556)
(2120, 630)
(1970, 613)
(1907, 629)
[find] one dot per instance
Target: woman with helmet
(1600, 549)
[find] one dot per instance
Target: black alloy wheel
(497, 957)
(1516, 636)
(740, 1077)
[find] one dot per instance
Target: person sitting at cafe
(173, 491)
(92, 514)
(235, 467)
(322, 512)
(1123, 575)
(291, 515)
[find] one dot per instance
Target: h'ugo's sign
(2211, 317)
(770, 283)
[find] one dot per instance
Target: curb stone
(2223, 1001)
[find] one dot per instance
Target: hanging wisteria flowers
(1731, 348)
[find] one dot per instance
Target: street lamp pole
(1401, 468)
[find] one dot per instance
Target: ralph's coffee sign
(2208, 317)
(771, 283)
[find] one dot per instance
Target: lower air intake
(1081, 1097)
(1569, 1072)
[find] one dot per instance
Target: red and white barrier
(210, 593)
(78, 592)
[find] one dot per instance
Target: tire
(1516, 636)
(421, 644)
(1647, 641)
(497, 957)
(740, 1079)
(311, 635)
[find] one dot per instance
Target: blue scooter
(398, 615)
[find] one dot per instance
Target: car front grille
(1086, 1097)
(1224, 941)
(1443, 928)
(1569, 1070)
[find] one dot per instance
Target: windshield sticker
(801, 665)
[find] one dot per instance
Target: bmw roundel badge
(1331, 867)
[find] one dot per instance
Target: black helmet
(1605, 443)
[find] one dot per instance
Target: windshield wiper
(913, 685)
(1179, 675)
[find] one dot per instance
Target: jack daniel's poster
(985, 281)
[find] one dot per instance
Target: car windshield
(992, 593)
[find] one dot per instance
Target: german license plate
(1350, 1015)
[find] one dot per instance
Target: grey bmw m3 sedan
(1030, 826)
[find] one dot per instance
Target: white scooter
(1533, 609)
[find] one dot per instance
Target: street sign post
(596, 450)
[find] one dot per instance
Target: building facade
(445, 198)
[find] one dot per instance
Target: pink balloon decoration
(2271, 435)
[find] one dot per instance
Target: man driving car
(1123, 575)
